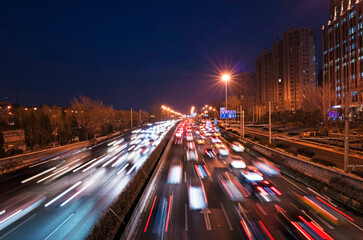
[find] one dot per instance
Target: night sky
(136, 53)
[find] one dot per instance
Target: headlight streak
(77, 193)
(56, 172)
(62, 194)
(39, 174)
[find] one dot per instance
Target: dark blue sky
(134, 53)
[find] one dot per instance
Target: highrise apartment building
(286, 74)
(343, 55)
(243, 85)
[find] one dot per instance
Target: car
(192, 155)
(237, 164)
(237, 147)
(223, 152)
(200, 141)
(196, 195)
(215, 140)
(189, 137)
(231, 186)
(209, 152)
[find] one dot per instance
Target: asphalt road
(64, 196)
(168, 211)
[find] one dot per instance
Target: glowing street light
(226, 77)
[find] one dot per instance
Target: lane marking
(225, 215)
(205, 212)
(64, 222)
(261, 209)
(17, 226)
(294, 184)
(108, 181)
(294, 206)
(186, 217)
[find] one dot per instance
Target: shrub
(257, 138)
(323, 162)
(305, 152)
(292, 151)
(282, 145)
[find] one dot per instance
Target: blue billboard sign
(228, 113)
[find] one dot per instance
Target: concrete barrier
(119, 210)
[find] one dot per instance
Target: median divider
(338, 185)
(120, 210)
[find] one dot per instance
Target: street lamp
(226, 78)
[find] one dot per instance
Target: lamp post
(226, 78)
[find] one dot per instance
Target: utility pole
(269, 122)
(253, 114)
(140, 118)
(243, 124)
(346, 135)
(131, 118)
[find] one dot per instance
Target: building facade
(343, 55)
(286, 74)
(243, 85)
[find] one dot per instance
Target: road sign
(228, 113)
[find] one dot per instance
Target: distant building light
(279, 80)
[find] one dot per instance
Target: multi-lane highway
(203, 197)
(63, 196)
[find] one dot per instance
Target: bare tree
(89, 113)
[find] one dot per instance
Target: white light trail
(77, 193)
(62, 194)
(40, 174)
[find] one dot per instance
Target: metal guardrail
(314, 170)
(311, 169)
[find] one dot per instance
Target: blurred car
(189, 137)
(200, 141)
(196, 195)
(215, 140)
(231, 186)
(237, 164)
(237, 147)
(192, 155)
(223, 152)
(191, 145)
(209, 152)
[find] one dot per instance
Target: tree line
(84, 119)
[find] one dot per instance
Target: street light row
(168, 109)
